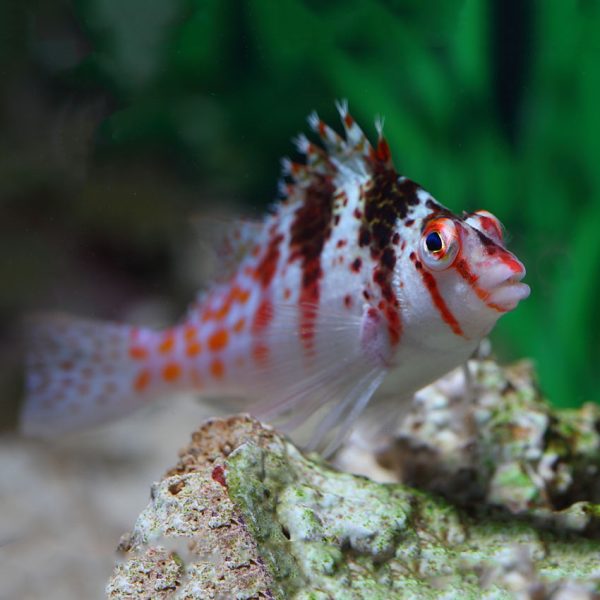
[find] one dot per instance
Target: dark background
(120, 120)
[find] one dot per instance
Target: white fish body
(358, 273)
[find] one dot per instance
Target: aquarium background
(122, 121)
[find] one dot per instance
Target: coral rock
(245, 514)
(497, 441)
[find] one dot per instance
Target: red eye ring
(439, 244)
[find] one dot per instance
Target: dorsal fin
(339, 155)
(225, 243)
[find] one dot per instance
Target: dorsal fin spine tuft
(339, 156)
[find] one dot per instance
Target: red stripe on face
(440, 303)
(436, 297)
(512, 262)
(463, 270)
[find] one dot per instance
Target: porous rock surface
(245, 514)
(496, 441)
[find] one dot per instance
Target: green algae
(506, 448)
(246, 515)
(349, 537)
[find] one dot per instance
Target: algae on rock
(246, 515)
(504, 446)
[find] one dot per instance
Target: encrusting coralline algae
(503, 446)
(245, 514)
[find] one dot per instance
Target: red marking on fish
(263, 316)
(436, 297)
(310, 230)
(267, 267)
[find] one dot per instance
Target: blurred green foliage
(488, 104)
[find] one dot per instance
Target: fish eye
(434, 242)
(439, 244)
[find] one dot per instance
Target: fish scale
(356, 276)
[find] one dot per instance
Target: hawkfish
(355, 275)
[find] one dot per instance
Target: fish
(356, 275)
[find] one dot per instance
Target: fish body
(357, 273)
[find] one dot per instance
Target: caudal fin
(80, 373)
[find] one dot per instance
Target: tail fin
(80, 373)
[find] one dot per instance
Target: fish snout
(504, 283)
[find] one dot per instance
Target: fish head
(460, 277)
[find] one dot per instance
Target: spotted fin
(81, 373)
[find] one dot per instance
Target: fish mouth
(507, 296)
(506, 287)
